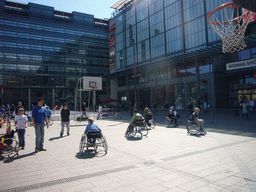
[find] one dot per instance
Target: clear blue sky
(98, 8)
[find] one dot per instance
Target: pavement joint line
(68, 179)
(247, 174)
(205, 150)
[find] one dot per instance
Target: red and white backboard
(92, 83)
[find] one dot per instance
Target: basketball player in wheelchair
(172, 119)
(196, 125)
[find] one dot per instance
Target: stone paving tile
(107, 187)
(177, 182)
(204, 189)
(166, 160)
(175, 189)
(193, 185)
(154, 188)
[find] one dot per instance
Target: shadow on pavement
(134, 138)
(9, 160)
(55, 138)
(89, 154)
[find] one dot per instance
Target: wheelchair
(152, 124)
(138, 127)
(168, 123)
(93, 140)
(194, 129)
(10, 146)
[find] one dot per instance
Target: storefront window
(180, 96)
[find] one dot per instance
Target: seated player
(194, 118)
(172, 117)
(92, 128)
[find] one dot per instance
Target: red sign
(254, 76)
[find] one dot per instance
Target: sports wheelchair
(168, 123)
(9, 145)
(138, 127)
(194, 129)
(94, 140)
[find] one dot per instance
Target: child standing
(65, 113)
(21, 122)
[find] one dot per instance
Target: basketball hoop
(228, 22)
(93, 87)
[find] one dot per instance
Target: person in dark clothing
(83, 108)
(171, 117)
(148, 116)
(190, 108)
(65, 113)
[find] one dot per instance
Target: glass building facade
(166, 51)
(43, 52)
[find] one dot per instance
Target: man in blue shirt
(38, 118)
(91, 127)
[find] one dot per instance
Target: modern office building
(166, 51)
(44, 51)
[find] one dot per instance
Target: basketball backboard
(92, 83)
(247, 4)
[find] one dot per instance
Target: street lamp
(134, 72)
(78, 81)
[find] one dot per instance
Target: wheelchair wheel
(167, 123)
(143, 130)
(104, 144)
(12, 148)
(152, 122)
(131, 132)
(193, 128)
(83, 142)
(50, 121)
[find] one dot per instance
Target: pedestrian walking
(38, 118)
(21, 123)
(65, 113)
(100, 111)
(83, 108)
(245, 110)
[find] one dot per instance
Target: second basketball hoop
(230, 21)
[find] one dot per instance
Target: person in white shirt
(100, 111)
(21, 122)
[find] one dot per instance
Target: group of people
(40, 117)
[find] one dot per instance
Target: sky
(98, 8)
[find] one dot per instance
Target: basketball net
(228, 22)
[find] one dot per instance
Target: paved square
(166, 160)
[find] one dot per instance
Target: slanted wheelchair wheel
(152, 122)
(50, 121)
(83, 142)
(12, 148)
(193, 128)
(167, 123)
(131, 133)
(104, 144)
(143, 130)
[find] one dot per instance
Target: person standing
(18, 107)
(83, 108)
(65, 113)
(21, 123)
(38, 118)
(245, 109)
(100, 111)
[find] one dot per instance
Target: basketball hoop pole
(79, 80)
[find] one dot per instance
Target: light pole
(79, 80)
(135, 73)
